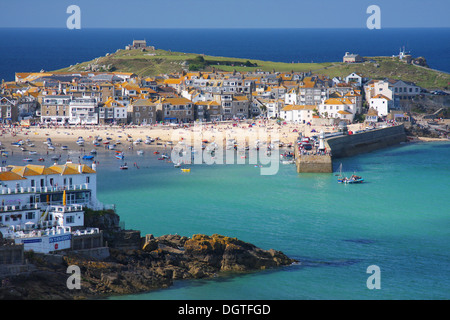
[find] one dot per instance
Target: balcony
(74, 187)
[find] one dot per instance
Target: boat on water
(93, 151)
(353, 178)
(86, 157)
(186, 170)
(177, 165)
(27, 159)
(55, 158)
(123, 167)
(32, 152)
(119, 155)
(41, 159)
(65, 148)
(140, 152)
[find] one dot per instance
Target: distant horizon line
(224, 28)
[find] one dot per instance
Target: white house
(83, 111)
(381, 104)
(338, 108)
(298, 113)
(355, 78)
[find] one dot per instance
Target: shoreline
(242, 132)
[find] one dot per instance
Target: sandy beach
(67, 136)
(165, 135)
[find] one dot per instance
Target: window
(29, 215)
(87, 179)
(70, 219)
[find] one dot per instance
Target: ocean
(397, 220)
(31, 50)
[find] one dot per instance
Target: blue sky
(224, 13)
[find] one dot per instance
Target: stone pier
(347, 146)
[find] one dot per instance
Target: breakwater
(349, 145)
(353, 144)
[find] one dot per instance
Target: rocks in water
(159, 262)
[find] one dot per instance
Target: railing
(44, 189)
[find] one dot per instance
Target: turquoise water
(397, 220)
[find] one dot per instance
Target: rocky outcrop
(160, 261)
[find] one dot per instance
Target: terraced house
(55, 109)
(141, 111)
(175, 110)
(8, 110)
(112, 111)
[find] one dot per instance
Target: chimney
(80, 168)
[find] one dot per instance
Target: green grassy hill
(154, 62)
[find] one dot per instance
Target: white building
(83, 111)
(298, 113)
(40, 205)
(338, 108)
(381, 104)
(354, 78)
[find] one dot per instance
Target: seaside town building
(42, 208)
(8, 110)
(141, 111)
(83, 111)
(381, 104)
(90, 98)
(352, 58)
(175, 110)
(298, 113)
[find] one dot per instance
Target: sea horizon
(56, 48)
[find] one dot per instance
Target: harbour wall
(351, 145)
(347, 146)
(313, 163)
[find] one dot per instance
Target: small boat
(140, 152)
(123, 167)
(93, 151)
(186, 170)
(28, 159)
(351, 180)
(41, 159)
(51, 147)
(156, 152)
(86, 157)
(120, 155)
(55, 158)
(32, 152)
(177, 165)
(65, 148)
